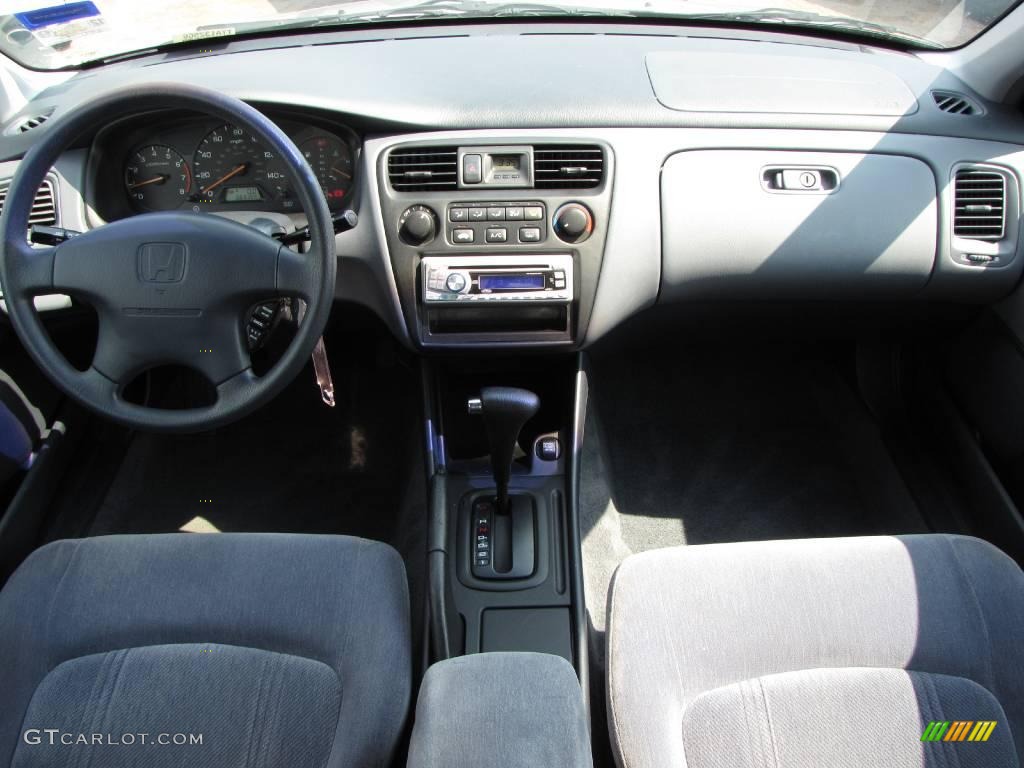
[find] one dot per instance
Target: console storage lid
(515, 710)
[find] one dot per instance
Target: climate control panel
(497, 223)
(479, 223)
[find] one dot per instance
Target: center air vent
(44, 207)
(567, 166)
(955, 103)
(979, 207)
(421, 169)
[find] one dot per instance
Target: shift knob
(504, 410)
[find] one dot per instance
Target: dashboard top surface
(524, 76)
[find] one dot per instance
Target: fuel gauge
(331, 161)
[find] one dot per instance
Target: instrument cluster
(205, 165)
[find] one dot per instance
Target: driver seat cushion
(279, 649)
(188, 704)
(685, 621)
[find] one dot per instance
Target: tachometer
(331, 161)
(157, 178)
(231, 167)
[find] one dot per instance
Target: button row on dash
(464, 235)
(509, 213)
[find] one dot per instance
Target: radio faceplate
(508, 279)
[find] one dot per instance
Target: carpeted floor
(728, 444)
(293, 466)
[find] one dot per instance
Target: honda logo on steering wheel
(161, 262)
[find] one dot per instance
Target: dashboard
(678, 181)
(169, 162)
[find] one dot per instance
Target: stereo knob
(456, 282)
(573, 223)
(418, 225)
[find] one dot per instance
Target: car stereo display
(516, 282)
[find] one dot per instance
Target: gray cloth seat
(273, 649)
(514, 710)
(817, 652)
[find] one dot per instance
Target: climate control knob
(417, 225)
(573, 223)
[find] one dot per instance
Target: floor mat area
(728, 445)
(295, 465)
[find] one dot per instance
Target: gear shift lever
(504, 410)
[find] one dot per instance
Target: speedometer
(232, 166)
(331, 161)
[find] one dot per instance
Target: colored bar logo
(958, 730)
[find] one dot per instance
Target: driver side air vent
(24, 124)
(955, 103)
(422, 169)
(979, 204)
(567, 166)
(44, 207)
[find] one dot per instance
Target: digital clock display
(505, 163)
(246, 194)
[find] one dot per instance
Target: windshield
(55, 36)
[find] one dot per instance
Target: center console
(499, 246)
(496, 244)
(501, 551)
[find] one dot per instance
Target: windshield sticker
(204, 34)
(59, 26)
(56, 14)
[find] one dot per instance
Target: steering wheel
(168, 288)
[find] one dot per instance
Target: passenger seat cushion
(863, 718)
(687, 620)
(247, 708)
(336, 601)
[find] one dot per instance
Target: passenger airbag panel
(729, 233)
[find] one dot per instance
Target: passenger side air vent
(567, 166)
(955, 103)
(979, 204)
(421, 169)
